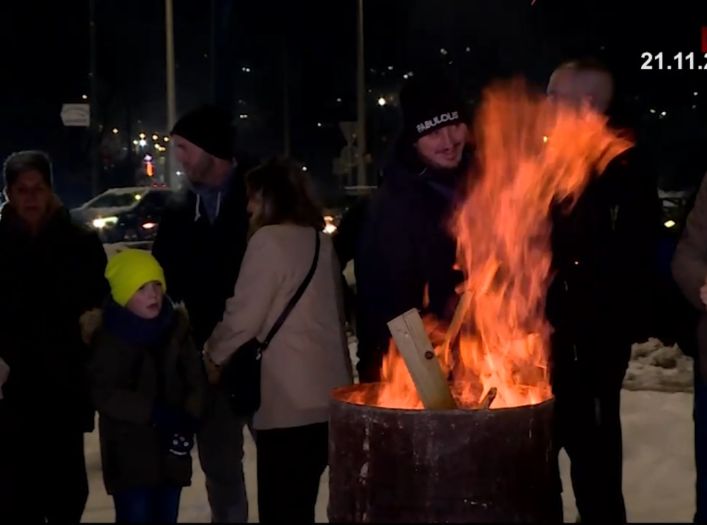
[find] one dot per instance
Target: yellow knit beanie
(129, 270)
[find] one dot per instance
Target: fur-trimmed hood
(92, 321)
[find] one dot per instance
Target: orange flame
(532, 154)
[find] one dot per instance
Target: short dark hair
(286, 194)
(586, 64)
(24, 161)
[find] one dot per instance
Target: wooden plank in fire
(411, 339)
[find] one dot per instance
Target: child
(147, 384)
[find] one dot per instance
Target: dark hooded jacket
(605, 264)
(405, 245)
(201, 258)
(48, 281)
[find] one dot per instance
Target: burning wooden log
(457, 321)
(411, 339)
(488, 399)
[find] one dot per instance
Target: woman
(308, 356)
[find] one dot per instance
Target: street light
(171, 84)
(381, 101)
(115, 131)
(360, 97)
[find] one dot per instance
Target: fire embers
(532, 153)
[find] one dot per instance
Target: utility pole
(93, 100)
(212, 53)
(361, 101)
(171, 89)
(285, 98)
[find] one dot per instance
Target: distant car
(124, 214)
(675, 205)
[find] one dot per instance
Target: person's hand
(703, 293)
(4, 374)
(179, 444)
(89, 322)
(213, 371)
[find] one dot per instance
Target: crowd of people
(143, 340)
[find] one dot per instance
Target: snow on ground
(659, 368)
(656, 414)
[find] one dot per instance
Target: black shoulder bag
(241, 373)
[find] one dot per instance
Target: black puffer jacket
(404, 246)
(605, 262)
(47, 282)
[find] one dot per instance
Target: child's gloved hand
(180, 444)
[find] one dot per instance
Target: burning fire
(532, 154)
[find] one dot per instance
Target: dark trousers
(588, 425)
(220, 446)
(42, 474)
(290, 464)
(699, 415)
(147, 505)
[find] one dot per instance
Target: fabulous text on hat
(439, 119)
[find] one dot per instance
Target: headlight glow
(102, 222)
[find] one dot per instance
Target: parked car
(125, 214)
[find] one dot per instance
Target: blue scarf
(135, 330)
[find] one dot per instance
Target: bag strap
(296, 297)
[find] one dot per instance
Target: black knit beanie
(430, 101)
(209, 127)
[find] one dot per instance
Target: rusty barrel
(415, 466)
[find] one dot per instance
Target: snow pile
(654, 366)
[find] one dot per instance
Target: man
(51, 272)
(689, 268)
(405, 246)
(604, 261)
(200, 244)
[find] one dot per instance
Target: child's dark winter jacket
(136, 374)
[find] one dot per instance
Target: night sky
(235, 55)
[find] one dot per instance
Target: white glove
(4, 374)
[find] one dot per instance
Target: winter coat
(200, 259)
(127, 381)
(405, 246)
(689, 267)
(605, 266)
(308, 356)
(47, 282)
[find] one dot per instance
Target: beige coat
(308, 357)
(690, 266)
